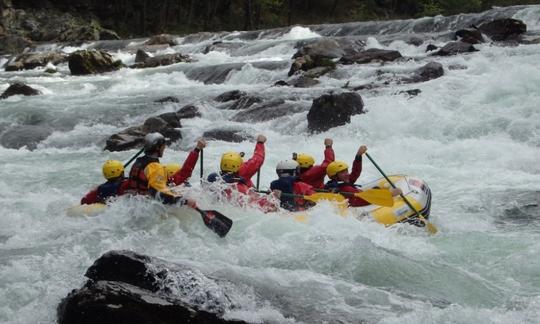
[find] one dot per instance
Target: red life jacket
(137, 178)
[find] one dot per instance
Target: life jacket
(285, 185)
(108, 189)
(336, 185)
(137, 179)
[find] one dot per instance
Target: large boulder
(267, 111)
(25, 135)
(370, 55)
(454, 48)
(91, 62)
(331, 110)
(126, 287)
(503, 29)
(19, 88)
(32, 60)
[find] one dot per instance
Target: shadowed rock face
(455, 48)
(503, 29)
(333, 110)
(127, 287)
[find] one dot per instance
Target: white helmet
(153, 141)
(287, 168)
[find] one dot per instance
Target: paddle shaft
(202, 162)
(133, 158)
(258, 178)
(394, 186)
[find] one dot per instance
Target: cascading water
(473, 135)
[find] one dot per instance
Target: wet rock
(331, 110)
(141, 56)
(469, 35)
(280, 83)
(321, 48)
(307, 63)
(430, 71)
(167, 124)
(13, 44)
(168, 99)
(221, 46)
(431, 47)
(126, 287)
(32, 60)
(25, 135)
(127, 139)
(92, 62)
(267, 111)
(303, 82)
(162, 60)
(189, 111)
(230, 95)
(370, 55)
(19, 88)
(162, 39)
(226, 135)
(503, 29)
(416, 41)
(243, 103)
(454, 48)
(411, 92)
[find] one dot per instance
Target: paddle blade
(216, 221)
(381, 197)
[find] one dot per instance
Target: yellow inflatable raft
(414, 189)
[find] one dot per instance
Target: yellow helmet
(336, 167)
(305, 160)
(113, 169)
(231, 162)
(172, 168)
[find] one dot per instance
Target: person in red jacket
(116, 184)
(180, 174)
(238, 174)
(288, 187)
(342, 181)
(314, 174)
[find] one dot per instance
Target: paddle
(429, 226)
(314, 197)
(216, 221)
(258, 178)
(380, 197)
(201, 164)
(133, 158)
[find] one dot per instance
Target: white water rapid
(473, 135)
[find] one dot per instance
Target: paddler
(237, 174)
(289, 188)
(116, 184)
(314, 174)
(148, 177)
(342, 181)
